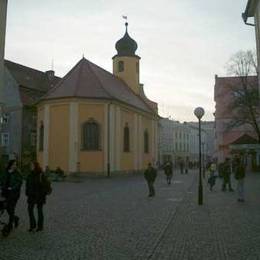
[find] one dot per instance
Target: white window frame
(5, 139)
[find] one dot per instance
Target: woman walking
(37, 187)
(11, 186)
(240, 176)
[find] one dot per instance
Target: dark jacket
(168, 168)
(240, 172)
(150, 174)
(11, 184)
(37, 187)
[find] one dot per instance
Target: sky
(183, 44)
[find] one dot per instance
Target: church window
(91, 136)
(120, 66)
(126, 139)
(146, 141)
(41, 136)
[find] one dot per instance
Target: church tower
(126, 62)
(3, 12)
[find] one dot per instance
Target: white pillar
(135, 142)
(46, 124)
(112, 137)
(118, 142)
(73, 137)
(140, 142)
(105, 132)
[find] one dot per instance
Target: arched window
(126, 139)
(41, 136)
(91, 136)
(120, 66)
(146, 141)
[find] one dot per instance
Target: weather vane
(124, 17)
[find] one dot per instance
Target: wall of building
(130, 74)
(63, 121)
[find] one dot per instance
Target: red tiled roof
(88, 80)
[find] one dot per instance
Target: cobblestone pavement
(114, 219)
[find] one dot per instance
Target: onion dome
(126, 46)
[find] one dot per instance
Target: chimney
(50, 74)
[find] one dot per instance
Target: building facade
(97, 122)
(180, 141)
(226, 136)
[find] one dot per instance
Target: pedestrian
(11, 183)
(212, 175)
(150, 175)
(181, 166)
(240, 176)
(186, 166)
(168, 171)
(226, 173)
(37, 187)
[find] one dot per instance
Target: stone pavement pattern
(114, 219)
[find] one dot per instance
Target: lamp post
(199, 112)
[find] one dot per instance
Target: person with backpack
(168, 171)
(11, 183)
(240, 176)
(37, 188)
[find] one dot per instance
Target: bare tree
(245, 105)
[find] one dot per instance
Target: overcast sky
(182, 43)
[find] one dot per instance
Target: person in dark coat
(150, 175)
(168, 171)
(37, 187)
(181, 166)
(240, 173)
(226, 173)
(11, 183)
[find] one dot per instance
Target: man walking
(150, 175)
(226, 173)
(240, 176)
(168, 171)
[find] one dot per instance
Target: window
(33, 138)
(91, 136)
(120, 66)
(137, 67)
(41, 137)
(5, 139)
(146, 141)
(126, 139)
(5, 118)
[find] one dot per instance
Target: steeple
(126, 46)
(126, 62)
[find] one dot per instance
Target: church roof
(87, 80)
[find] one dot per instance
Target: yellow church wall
(130, 74)
(59, 137)
(127, 158)
(147, 157)
(91, 161)
(40, 119)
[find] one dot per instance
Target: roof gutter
(245, 14)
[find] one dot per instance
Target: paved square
(114, 219)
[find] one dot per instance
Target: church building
(93, 121)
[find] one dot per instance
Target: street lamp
(199, 113)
